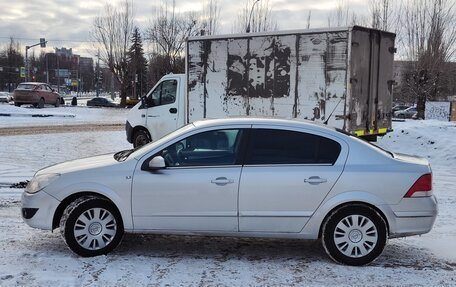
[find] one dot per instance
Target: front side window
(269, 146)
(211, 148)
(164, 94)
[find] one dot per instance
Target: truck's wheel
(354, 235)
(140, 138)
(91, 226)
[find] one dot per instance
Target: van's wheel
(41, 103)
(91, 226)
(57, 103)
(354, 235)
(140, 138)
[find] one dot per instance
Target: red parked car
(35, 93)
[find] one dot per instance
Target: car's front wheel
(91, 226)
(354, 234)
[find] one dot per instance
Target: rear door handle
(314, 180)
(222, 181)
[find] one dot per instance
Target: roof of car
(263, 120)
(33, 83)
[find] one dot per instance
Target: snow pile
(64, 115)
(432, 139)
(13, 111)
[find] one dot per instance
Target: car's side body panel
(262, 200)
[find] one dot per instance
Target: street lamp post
(42, 43)
(250, 16)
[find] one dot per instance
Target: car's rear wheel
(354, 234)
(41, 103)
(140, 138)
(91, 226)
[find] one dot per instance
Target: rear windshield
(367, 142)
(26, 87)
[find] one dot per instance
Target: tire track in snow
(60, 129)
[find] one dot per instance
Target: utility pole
(42, 43)
(98, 74)
(250, 17)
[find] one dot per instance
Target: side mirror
(156, 163)
(143, 103)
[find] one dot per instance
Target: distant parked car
(239, 177)
(101, 102)
(400, 108)
(35, 93)
(5, 97)
(406, 114)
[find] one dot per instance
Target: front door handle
(173, 111)
(222, 181)
(314, 180)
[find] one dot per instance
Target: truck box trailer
(341, 77)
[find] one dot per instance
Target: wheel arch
(313, 228)
(69, 199)
(378, 210)
(138, 128)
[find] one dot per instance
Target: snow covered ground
(39, 258)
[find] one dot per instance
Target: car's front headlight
(40, 181)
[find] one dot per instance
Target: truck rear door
(371, 74)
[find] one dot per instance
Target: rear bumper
(26, 99)
(413, 216)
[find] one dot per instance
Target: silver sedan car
(239, 177)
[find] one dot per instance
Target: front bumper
(43, 205)
(129, 131)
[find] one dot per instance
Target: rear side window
(269, 146)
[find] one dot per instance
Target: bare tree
(340, 16)
(255, 16)
(112, 32)
(429, 45)
(167, 34)
(385, 14)
(210, 17)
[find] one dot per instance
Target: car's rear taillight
(422, 187)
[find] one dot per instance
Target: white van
(341, 77)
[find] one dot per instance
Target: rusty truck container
(341, 77)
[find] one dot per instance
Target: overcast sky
(67, 23)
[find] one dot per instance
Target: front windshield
(139, 151)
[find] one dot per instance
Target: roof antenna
(326, 122)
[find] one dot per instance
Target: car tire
(91, 226)
(140, 138)
(41, 103)
(57, 103)
(17, 104)
(354, 234)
